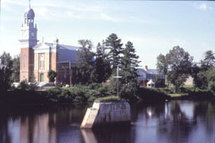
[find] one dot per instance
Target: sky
(153, 27)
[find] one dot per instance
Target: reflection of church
(36, 59)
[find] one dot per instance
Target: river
(170, 122)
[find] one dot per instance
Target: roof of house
(142, 73)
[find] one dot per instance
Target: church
(38, 58)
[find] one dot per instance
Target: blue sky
(154, 27)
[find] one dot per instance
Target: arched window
(41, 61)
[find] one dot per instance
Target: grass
(109, 99)
(178, 94)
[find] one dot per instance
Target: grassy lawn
(178, 94)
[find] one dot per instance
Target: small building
(146, 74)
(150, 84)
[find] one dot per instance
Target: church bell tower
(28, 40)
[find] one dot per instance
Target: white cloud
(203, 7)
(108, 18)
(42, 11)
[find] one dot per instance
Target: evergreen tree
(16, 69)
(114, 46)
(129, 71)
(85, 63)
(102, 65)
(5, 72)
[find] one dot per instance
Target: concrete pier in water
(108, 113)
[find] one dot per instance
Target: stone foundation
(107, 114)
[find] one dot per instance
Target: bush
(24, 85)
(78, 93)
(150, 94)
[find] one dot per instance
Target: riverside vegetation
(93, 78)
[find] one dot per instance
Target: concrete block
(107, 113)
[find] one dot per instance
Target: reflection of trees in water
(109, 135)
(147, 112)
(176, 127)
(204, 112)
(4, 132)
(37, 125)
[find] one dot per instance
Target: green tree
(179, 65)
(129, 71)
(16, 69)
(200, 72)
(208, 61)
(162, 64)
(85, 67)
(52, 75)
(114, 46)
(102, 65)
(5, 72)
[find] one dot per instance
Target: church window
(24, 61)
(41, 61)
(42, 77)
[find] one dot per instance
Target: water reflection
(108, 135)
(172, 122)
(42, 127)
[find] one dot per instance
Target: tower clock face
(32, 34)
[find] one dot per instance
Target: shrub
(24, 85)
(150, 94)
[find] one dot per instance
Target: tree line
(178, 65)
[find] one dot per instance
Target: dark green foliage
(151, 95)
(205, 79)
(162, 64)
(52, 75)
(114, 46)
(102, 65)
(129, 64)
(27, 86)
(129, 72)
(16, 69)
(77, 94)
(208, 61)
(5, 72)
(201, 73)
(196, 93)
(85, 67)
(159, 83)
(179, 65)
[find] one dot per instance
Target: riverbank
(85, 95)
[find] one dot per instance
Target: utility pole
(117, 80)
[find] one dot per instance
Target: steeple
(28, 40)
(29, 29)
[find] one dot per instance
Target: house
(37, 58)
(145, 75)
